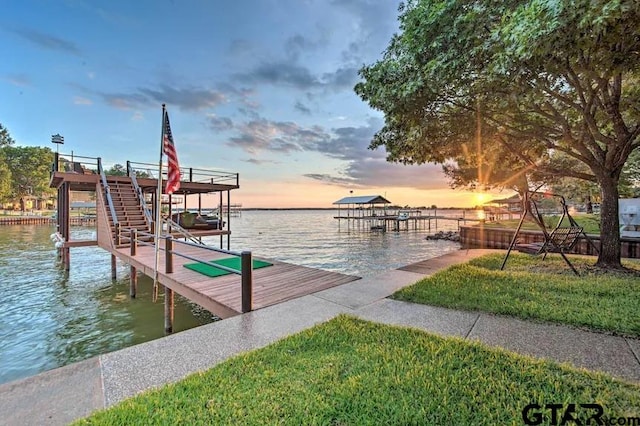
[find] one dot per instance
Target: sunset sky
(263, 88)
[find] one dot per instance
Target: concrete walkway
(60, 396)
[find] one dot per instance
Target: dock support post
(168, 255)
(247, 281)
(113, 267)
(133, 275)
(168, 310)
(168, 293)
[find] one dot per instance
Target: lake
(50, 318)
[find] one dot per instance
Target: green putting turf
(229, 262)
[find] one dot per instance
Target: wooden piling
(113, 267)
(168, 310)
(133, 275)
(247, 281)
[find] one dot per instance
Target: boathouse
(220, 280)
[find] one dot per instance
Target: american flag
(173, 180)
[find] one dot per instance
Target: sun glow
(481, 198)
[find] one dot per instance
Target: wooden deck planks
(222, 295)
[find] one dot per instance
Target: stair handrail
(107, 191)
(147, 213)
(186, 234)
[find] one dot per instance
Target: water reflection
(50, 318)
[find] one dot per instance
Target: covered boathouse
(224, 282)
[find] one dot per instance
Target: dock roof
(363, 199)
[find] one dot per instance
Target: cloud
(335, 180)
(302, 108)
(369, 168)
(21, 80)
(264, 135)
(290, 74)
(187, 99)
(79, 100)
(298, 44)
(219, 124)
(259, 162)
(48, 41)
(281, 73)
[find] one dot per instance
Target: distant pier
(395, 222)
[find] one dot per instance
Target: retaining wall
(500, 238)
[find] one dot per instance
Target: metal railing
(107, 192)
(190, 174)
(186, 234)
(246, 263)
(147, 213)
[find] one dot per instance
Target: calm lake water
(50, 318)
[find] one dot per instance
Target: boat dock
(370, 213)
(396, 222)
(125, 227)
(223, 295)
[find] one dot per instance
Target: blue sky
(263, 88)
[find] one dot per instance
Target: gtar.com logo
(572, 414)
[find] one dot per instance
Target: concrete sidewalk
(68, 393)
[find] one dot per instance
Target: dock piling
(133, 275)
(247, 281)
(168, 310)
(113, 267)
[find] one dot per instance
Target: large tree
(541, 77)
(30, 167)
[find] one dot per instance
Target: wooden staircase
(128, 209)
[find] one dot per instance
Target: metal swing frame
(559, 240)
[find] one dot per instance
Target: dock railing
(137, 237)
(131, 172)
(190, 174)
(107, 191)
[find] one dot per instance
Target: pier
(125, 223)
(370, 213)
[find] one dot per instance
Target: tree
(120, 170)
(30, 167)
(630, 178)
(538, 77)
(5, 173)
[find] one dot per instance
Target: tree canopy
(30, 167)
(516, 87)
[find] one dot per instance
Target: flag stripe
(173, 174)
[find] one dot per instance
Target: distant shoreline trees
(24, 171)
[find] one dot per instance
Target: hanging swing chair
(560, 239)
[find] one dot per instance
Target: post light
(58, 140)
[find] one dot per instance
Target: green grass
(531, 288)
(352, 372)
(590, 223)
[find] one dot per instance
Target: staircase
(128, 209)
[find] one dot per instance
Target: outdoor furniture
(559, 240)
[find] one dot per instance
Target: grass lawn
(531, 288)
(590, 223)
(353, 372)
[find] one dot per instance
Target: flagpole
(158, 227)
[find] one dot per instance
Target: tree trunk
(609, 225)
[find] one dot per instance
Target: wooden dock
(223, 295)
(386, 223)
(125, 228)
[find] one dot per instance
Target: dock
(369, 213)
(222, 295)
(126, 228)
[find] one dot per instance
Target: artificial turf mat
(229, 262)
